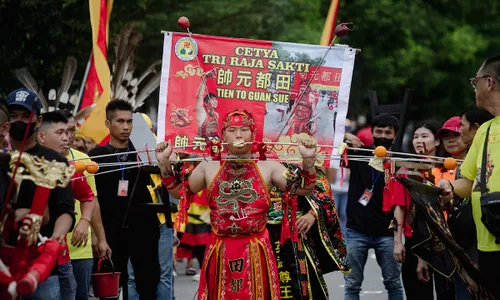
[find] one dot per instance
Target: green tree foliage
(432, 46)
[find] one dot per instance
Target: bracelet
(311, 211)
(83, 218)
(307, 168)
(307, 157)
(170, 182)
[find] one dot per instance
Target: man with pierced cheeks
(239, 261)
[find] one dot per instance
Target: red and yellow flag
(329, 28)
(97, 87)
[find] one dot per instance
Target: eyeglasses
(473, 81)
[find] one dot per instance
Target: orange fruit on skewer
(450, 163)
(380, 151)
(80, 166)
(92, 167)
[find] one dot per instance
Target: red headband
(238, 118)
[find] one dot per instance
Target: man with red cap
(453, 145)
(239, 262)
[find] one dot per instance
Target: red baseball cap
(453, 125)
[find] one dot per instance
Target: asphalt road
(373, 288)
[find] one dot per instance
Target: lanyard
(72, 156)
(122, 167)
(374, 180)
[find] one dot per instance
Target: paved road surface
(373, 288)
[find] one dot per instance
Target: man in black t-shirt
(367, 225)
(21, 104)
(131, 232)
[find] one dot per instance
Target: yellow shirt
(81, 252)
(471, 169)
(157, 183)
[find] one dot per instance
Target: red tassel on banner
(341, 175)
(211, 144)
(262, 148)
(345, 159)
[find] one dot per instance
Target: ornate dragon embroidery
(234, 191)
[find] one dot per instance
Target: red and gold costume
(303, 114)
(239, 260)
(25, 265)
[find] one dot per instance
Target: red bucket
(106, 284)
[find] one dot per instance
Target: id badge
(123, 188)
(365, 197)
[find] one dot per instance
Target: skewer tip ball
(80, 166)
(183, 23)
(380, 151)
(343, 29)
(450, 163)
(92, 167)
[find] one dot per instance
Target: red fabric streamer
(184, 202)
(40, 200)
(285, 223)
(388, 189)
(345, 159)
(288, 224)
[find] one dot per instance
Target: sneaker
(196, 277)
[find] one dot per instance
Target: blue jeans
(82, 269)
(48, 290)
(165, 289)
(341, 206)
(67, 281)
(358, 245)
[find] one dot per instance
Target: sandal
(190, 271)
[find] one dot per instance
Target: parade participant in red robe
(304, 115)
(239, 261)
(209, 126)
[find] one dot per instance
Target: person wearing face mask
(367, 224)
(24, 112)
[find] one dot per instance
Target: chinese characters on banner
(205, 77)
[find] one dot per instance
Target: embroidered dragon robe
(239, 260)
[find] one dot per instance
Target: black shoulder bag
(490, 202)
